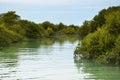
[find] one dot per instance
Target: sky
(56, 11)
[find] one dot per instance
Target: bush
(96, 44)
(114, 55)
(103, 40)
(8, 36)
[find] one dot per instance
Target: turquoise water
(50, 59)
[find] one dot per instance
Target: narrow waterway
(50, 59)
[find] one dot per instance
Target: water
(50, 59)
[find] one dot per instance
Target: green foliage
(18, 29)
(32, 30)
(7, 37)
(47, 24)
(61, 26)
(84, 29)
(113, 22)
(102, 41)
(9, 18)
(103, 17)
(96, 43)
(49, 31)
(114, 55)
(13, 29)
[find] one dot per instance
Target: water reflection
(97, 71)
(50, 59)
(9, 57)
(33, 56)
(8, 61)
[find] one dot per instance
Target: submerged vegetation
(14, 29)
(101, 37)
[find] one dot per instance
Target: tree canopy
(101, 37)
(14, 29)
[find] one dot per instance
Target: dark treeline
(14, 29)
(101, 37)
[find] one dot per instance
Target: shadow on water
(97, 71)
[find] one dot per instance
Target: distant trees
(31, 29)
(9, 18)
(101, 40)
(14, 29)
(85, 29)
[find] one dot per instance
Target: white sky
(66, 11)
(51, 1)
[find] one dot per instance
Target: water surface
(50, 59)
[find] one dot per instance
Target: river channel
(50, 59)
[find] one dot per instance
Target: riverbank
(101, 41)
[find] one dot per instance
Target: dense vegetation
(14, 29)
(101, 37)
